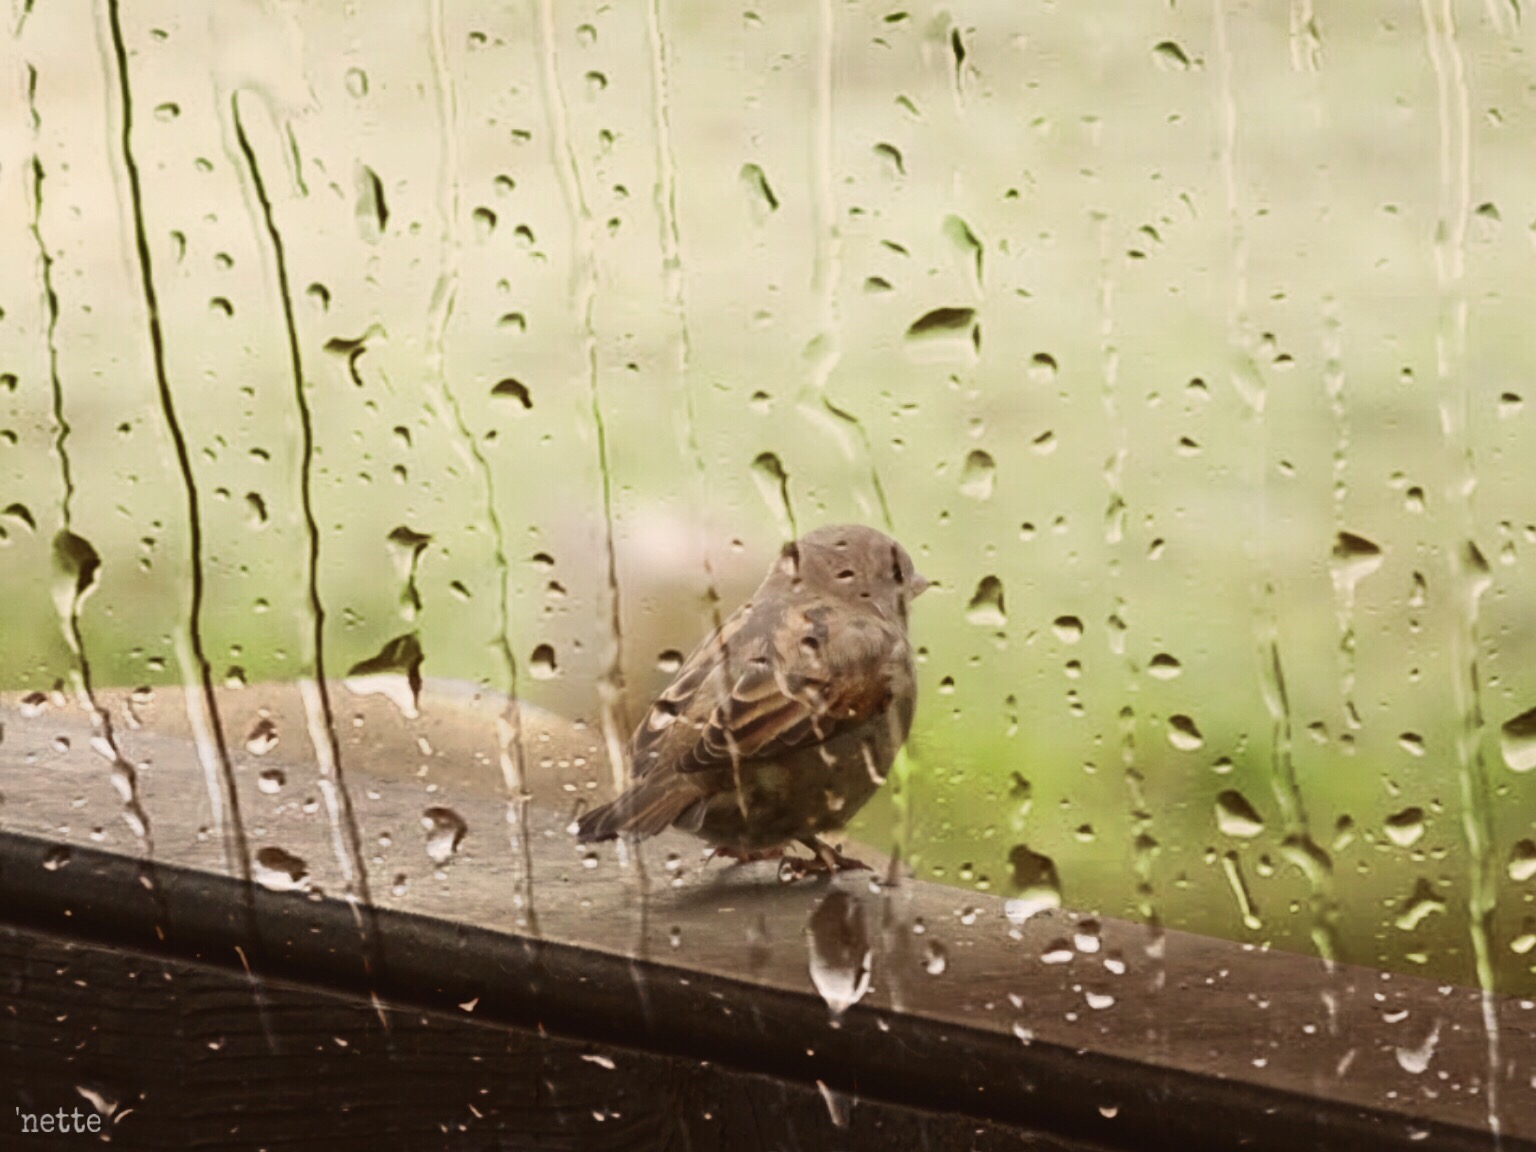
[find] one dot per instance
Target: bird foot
(826, 861)
(739, 856)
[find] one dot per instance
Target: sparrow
(784, 722)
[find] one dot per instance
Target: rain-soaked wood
(523, 944)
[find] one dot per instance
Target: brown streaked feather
(790, 695)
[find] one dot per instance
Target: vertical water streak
(674, 279)
(826, 348)
(72, 553)
(585, 285)
(1143, 845)
(1298, 845)
(1306, 47)
(1306, 56)
(346, 838)
(187, 640)
(1467, 571)
(510, 753)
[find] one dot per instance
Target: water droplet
(1183, 734)
(1164, 667)
(1510, 404)
(1415, 1060)
(759, 191)
(516, 390)
(484, 221)
(841, 955)
(1168, 55)
(986, 606)
(1042, 368)
(76, 565)
(56, 857)
(357, 83)
(541, 665)
(1068, 629)
(1405, 828)
(280, 871)
(1411, 743)
(1035, 880)
(891, 155)
(1236, 817)
(1522, 861)
(262, 737)
(960, 234)
(946, 332)
(372, 211)
(445, 832)
(1517, 741)
(1353, 559)
(23, 513)
(395, 674)
(935, 958)
(976, 481)
(271, 781)
(669, 661)
(1421, 904)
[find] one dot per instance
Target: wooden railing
(520, 991)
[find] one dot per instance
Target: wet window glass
(394, 397)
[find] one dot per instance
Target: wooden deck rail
(506, 988)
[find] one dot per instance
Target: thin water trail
(1143, 842)
(346, 837)
(585, 284)
(76, 562)
(1468, 572)
(675, 286)
(1298, 845)
(675, 282)
(826, 348)
(1351, 564)
(510, 752)
(187, 639)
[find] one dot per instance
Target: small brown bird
(784, 722)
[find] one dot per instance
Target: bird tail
(646, 809)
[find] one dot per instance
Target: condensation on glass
(1185, 347)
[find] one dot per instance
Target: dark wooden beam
(1081, 1031)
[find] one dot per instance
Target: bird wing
(769, 681)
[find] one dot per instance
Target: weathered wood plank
(173, 1055)
(1131, 1037)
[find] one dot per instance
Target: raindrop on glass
(1236, 817)
(262, 737)
(445, 830)
(1517, 741)
(1183, 734)
(1034, 880)
(980, 473)
(841, 955)
(280, 871)
(986, 606)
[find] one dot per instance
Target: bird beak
(919, 584)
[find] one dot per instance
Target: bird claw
(826, 862)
